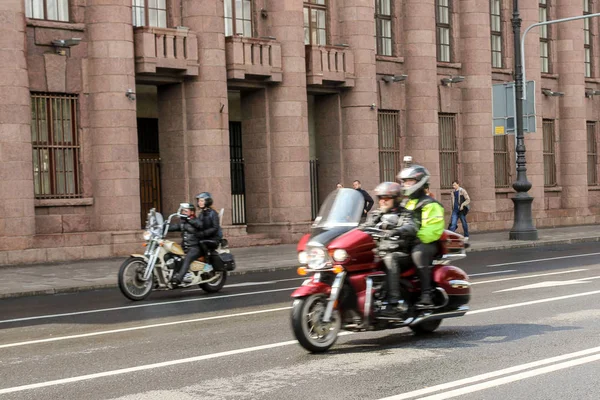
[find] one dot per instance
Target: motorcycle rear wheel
(215, 286)
(130, 279)
(311, 332)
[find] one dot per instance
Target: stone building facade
(110, 107)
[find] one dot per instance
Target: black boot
(391, 311)
(176, 279)
(426, 301)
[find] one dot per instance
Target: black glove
(184, 218)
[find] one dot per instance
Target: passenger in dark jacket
(210, 233)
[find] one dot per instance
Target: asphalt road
(533, 333)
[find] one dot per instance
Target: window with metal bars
(55, 145)
(383, 27)
(592, 154)
(388, 122)
(587, 43)
(51, 10)
(448, 150)
(443, 26)
(496, 31)
(549, 153)
(149, 13)
(501, 161)
(315, 22)
(544, 37)
(238, 17)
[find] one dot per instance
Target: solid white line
(136, 328)
(493, 273)
(530, 276)
(544, 259)
(165, 303)
(252, 283)
(493, 374)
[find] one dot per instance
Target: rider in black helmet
(211, 234)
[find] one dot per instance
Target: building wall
(194, 110)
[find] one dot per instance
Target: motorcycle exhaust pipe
(459, 312)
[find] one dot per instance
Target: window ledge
(553, 189)
(549, 76)
(68, 26)
(87, 201)
(592, 80)
(441, 64)
(504, 190)
(399, 60)
(593, 188)
(503, 71)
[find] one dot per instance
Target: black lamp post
(523, 228)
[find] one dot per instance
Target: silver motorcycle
(141, 273)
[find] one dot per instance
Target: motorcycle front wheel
(311, 332)
(131, 280)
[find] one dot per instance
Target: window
(149, 13)
(592, 154)
(501, 161)
(389, 144)
(315, 22)
(496, 28)
(53, 10)
(587, 44)
(383, 27)
(55, 146)
(442, 16)
(544, 37)
(448, 150)
(549, 153)
(238, 17)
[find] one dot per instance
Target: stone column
(476, 117)
(112, 116)
(17, 215)
(420, 63)
(572, 135)
(359, 120)
(207, 130)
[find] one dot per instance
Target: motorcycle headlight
(340, 255)
(147, 235)
(303, 257)
(317, 258)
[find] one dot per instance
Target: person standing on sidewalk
(460, 207)
(368, 199)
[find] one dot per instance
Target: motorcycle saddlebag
(223, 262)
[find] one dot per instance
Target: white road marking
(529, 276)
(546, 284)
(493, 273)
(241, 351)
(543, 259)
(164, 303)
(137, 328)
(251, 284)
(494, 374)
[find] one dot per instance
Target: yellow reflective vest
(429, 217)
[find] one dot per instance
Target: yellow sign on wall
(499, 130)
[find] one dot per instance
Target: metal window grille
(315, 22)
(150, 184)
(238, 17)
(389, 144)
(443, 25)
(314, 188)
(501, 161)
(448, 150)
(238, 179)
(52, 10)
(587, 44)
(549, 153)
(592, 154)
(383, 27)
(55, 146)
(544, 37)
(149, 13)
(496, 32)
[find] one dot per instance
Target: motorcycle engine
(172, 261)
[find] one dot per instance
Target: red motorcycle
(348, 283)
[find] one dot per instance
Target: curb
(86, 288)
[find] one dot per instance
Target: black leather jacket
(210, 229)
(189, 229)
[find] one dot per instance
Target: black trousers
(191, 255)
(392, 266)
(422, 255)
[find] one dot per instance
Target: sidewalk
(76, 276)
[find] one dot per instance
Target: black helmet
(418, 173)
(208, 201)
(388, 189)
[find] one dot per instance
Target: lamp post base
(523, 228)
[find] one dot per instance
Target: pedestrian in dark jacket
(189, 226)
(368, 199)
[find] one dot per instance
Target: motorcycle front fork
(336, 288)
(151, 261)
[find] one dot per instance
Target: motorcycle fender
(139, 256)
(312, 288)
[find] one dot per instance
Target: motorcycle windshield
(343, 207)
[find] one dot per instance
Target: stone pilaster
(207, 130)
(359, 119)
(17, 223)
(476, 116)
(420, 63)
(112, 116)
(572, 127)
